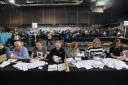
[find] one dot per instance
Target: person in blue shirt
(19, 52)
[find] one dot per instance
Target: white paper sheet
(78, 59)
(61, 67)
(5, 63)
(80, 54)
(100, 63)
(26, 66)
(52, 67)
(55, 67)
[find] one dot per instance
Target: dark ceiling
(119, 6)
(118, 10)
(122, 4)
(44, 2)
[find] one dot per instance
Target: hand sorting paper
(56, 59)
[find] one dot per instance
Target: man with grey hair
(19, 52)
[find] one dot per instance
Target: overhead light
(12, 1)
(100, 3)
(28, 2)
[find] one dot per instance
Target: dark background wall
(16, 16)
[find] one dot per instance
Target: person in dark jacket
(57, 54)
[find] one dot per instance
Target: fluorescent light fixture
(100, 3)
(12, 1)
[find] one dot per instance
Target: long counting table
(12, 76)
(71, 68)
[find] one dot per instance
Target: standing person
(49, 38)
(16, 36)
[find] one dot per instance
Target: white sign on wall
(34, 25)
(125, 23)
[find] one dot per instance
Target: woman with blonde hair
(73, 50)
(96, 50)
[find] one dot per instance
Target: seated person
(116, 51)
(4, 52)
(19, 52)
(39, 52)
(73, 50)
(96, 50)
(57, 54)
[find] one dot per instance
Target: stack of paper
(78, 58)
(52, 67)
(80, 54)
(114, 63)
(55, 67)
(26, 66)
(84, 64)
(70, 60)
(5, 63)
(61, 67)
(97, 64)
(100, 63)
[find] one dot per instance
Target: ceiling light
(12, 1)
(100, 3)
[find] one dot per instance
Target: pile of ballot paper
(5, 63)
(55, 67)
(100, 63)
(26, 66)
(80, 54)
